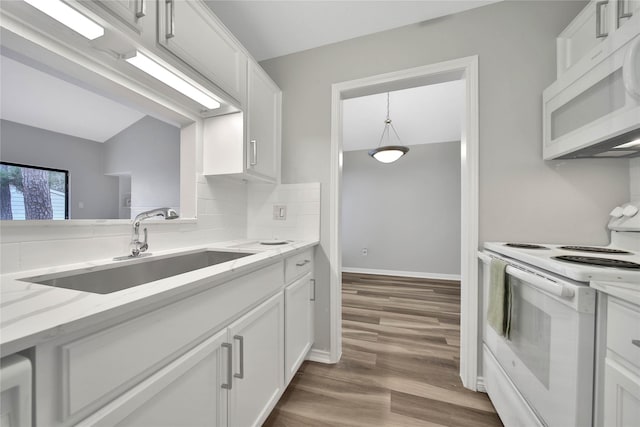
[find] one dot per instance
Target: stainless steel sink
(116, 277)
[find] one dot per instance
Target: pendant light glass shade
(388, 153)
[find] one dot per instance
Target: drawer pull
(240, 339)
(301, 263)
(636, 343)
(229, 348)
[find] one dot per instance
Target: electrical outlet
(279, 212)
(365, 251)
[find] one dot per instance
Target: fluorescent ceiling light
(68, 16)
(635, 143)
(167, 77)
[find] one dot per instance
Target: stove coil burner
(595, 250)
(600, 262)
(524, 246)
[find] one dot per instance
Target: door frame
(465, 69)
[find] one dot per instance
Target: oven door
(549, 354)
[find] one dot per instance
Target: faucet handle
(144, 245)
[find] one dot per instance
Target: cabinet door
(591, 26)
(625, 10)
(132, 13)
(187, 392)
(297, 326)
(190, 31)
(263, 124)
(258, 346)
(621, 396)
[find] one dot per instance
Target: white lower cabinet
(298, 323)
(621, 390)
(258, 361)
(214, 358)
(187, 392)
(621, 396)
(233, 378)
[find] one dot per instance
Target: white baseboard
(320, 356)
(480, 385)
(420, 274)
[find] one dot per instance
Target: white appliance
(594, 107)
(15, 396)
(543, 374)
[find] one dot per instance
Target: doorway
(465, 69)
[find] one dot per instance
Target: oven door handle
(534, 280)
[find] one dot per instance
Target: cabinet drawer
(98, 367)
(623, 331)
(297, 265)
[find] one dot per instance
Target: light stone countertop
(31, 313)
(629, 292)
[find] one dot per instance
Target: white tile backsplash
(303, 211)
(634, 176)
(222, 215)
(228, 209)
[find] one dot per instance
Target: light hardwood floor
(399, 367)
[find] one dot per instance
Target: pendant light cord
(388, 124)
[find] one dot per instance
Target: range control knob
(630, 211)
(617, 212)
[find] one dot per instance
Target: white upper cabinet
(594, 24)
(133, 14)
(247, 145)
(191, 32)
(264, 99)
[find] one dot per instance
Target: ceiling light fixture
(632, 144)
(160, 72)
(388, 153)
(68, 16)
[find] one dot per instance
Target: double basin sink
(116, 277)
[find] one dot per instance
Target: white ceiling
(422, 115)
(34, 98)
(269, 28)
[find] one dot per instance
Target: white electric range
(542, 374)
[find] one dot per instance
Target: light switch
(280, 212)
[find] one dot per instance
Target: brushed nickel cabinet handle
(313, 289)
(241, 343)
(599, 27)
(621, 11)
(141, 9)
(301, 263)
(253, 157)
(636, 343)
(229, 382)
(170, 15)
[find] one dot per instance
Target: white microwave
(593, 109)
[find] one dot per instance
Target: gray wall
(81, 157)
(522, 197)
(407, 213)
(148, 151)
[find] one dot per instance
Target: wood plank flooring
(400, 362)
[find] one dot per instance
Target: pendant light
(388, 153)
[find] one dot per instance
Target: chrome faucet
(138, 246)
